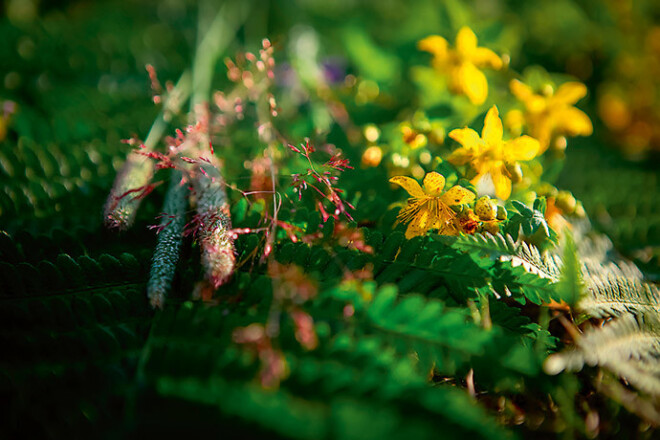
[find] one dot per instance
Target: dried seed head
(170, 236)
(214, 224)
(130, 187)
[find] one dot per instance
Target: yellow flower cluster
(489, 159)
(490, 155)
(462, 63)
(552, 113)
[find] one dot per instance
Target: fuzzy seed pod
(130, 187)
(170, 235)
(214, 233)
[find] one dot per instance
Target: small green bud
(566, 202)
(501, 213)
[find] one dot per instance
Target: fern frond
(544, 265)
(611, 294)
(628, 346)
(505, 248)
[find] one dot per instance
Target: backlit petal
(520, 90)
(435, 45)
(574, 122)
(514, 121)
(570, 93)
(461, 156)
(466, 41)
(522, 148)
(542, 131)
(419, 225)
(473, 82)
(446, 221)
(466, 137)
(410, 185)
(492, 132)
(434, 183)
(483, 57)
(457, 195)
(501, 183)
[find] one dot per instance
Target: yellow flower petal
(483, 57)
(570, 93)
(522, 148)
(501, 183)
(466, 41)
(466, 137)
(434, 183)
(475, 180)
(446, 221)
(514, 121)
(493, 131)
(473, 83)
(542, 131)
(536, 104)
(457, 195)
(574, 122)
(419, 225)
(461, 156)
(533, 102)
(410, 185)
(520, 90)
(435, 45)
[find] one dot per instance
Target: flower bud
(501, 213)
(566, 202)
(486, 208)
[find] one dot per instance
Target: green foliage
(433, 336)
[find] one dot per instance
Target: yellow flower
(429, 208)
(462, 64)
(489, 154)
(552, 113)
